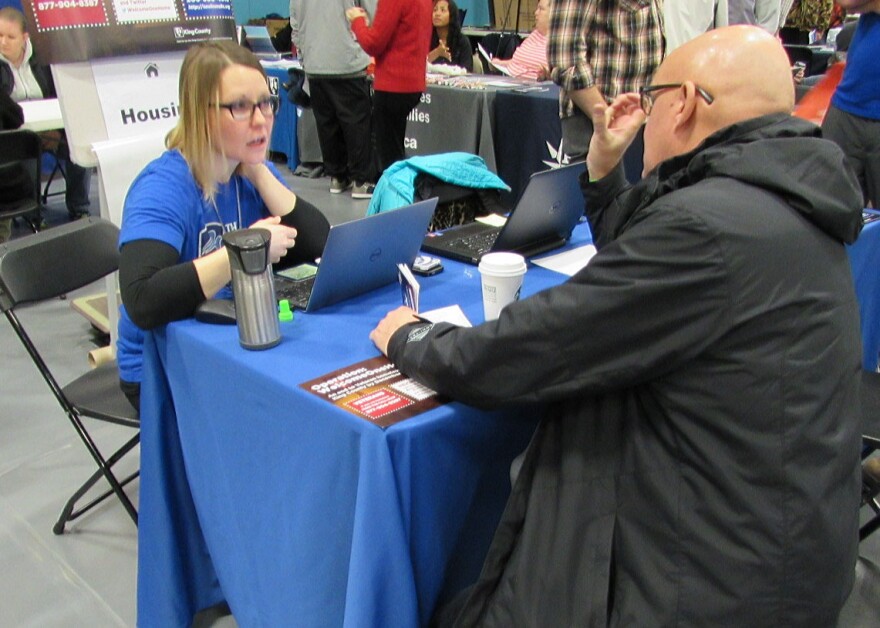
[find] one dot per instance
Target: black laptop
(358, 256)
(542, 220)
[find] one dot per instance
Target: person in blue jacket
(213, 178)
(853, 119)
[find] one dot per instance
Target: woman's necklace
(237, 204)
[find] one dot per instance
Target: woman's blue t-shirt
(165, 203)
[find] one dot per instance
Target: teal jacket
(396, 187)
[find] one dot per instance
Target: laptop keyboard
(478, 243)
(297, 292)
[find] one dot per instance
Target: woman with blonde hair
(213, 178)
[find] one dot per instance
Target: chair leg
(57, 169)
(34, 224)
(105, 470)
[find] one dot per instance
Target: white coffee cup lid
(502, 264)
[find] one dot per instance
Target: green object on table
(284, 312)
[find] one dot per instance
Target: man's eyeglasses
(244, 109)
(646, 94)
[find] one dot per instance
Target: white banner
(138, 94)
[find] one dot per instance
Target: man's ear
(686, 106)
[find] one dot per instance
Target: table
(528, 135)
(297, 512)
(41, 115)
(284, 130)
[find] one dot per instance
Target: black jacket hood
(768, 152)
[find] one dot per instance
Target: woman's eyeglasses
(244, 109)
(646, 95)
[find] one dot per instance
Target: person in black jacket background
(697, 461)
(14, 182)
(23, 78)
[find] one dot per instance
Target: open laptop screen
(260, 42)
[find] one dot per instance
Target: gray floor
(87, 577)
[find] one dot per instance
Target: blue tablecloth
(528, 135)
(294, 511)
(283, 138)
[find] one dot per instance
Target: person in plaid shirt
(597, 50)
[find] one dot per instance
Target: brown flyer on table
(376, 391)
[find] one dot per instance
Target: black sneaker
(363, 190)
(76, 214)
(339, 185)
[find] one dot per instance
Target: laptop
(542, 220)
(359, 256)
(260, 43)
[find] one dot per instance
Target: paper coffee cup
(502, 278)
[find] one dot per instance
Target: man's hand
(393, 321)
(614, 128)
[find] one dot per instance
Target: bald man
(697, 459)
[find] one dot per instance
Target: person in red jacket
(398, 39)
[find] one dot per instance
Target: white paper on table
(568, 262)
(491, 61)
(449, 314)
(42, 115)
(493, 220)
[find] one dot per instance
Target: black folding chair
(501, 45)
(47, 265)
(871, 444)
(20, 163)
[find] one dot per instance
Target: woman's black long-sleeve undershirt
(156, 287)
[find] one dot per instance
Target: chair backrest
(501, 45)
(478, 64)
(56, 261)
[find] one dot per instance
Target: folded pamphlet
(488, 58)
